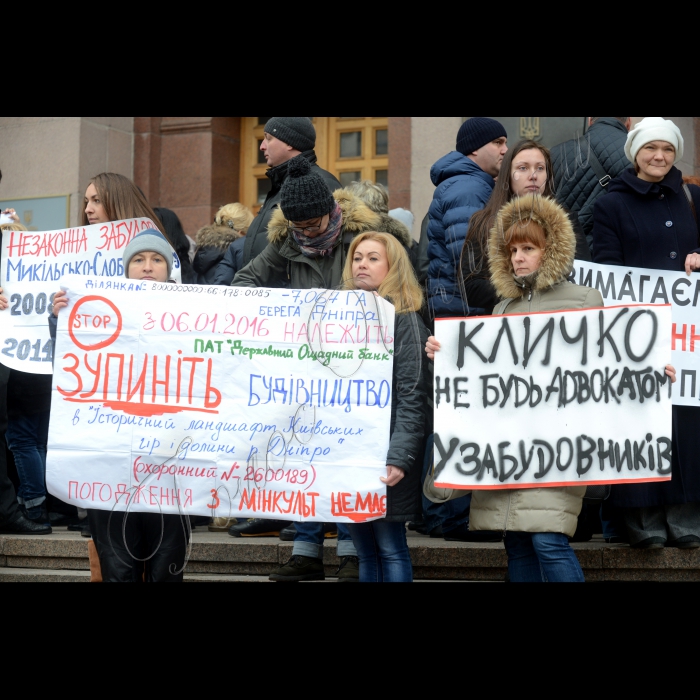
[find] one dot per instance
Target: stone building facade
(196, 164)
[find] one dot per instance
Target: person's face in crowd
(529, 173)
(490, 157)
(526, 258)
(94, 209)
(148, 266)
(276, 152)
(655, 160)
(311, 228)
(370, 265)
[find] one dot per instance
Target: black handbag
(597, 494)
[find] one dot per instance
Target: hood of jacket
(397, 229)
(219, 237)
(357, 218)
(455, 164)
(559, 255)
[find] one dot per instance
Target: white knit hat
(654, 129)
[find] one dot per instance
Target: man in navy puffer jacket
(465, 180)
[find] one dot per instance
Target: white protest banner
(625, 285)
(554, 399)
(223, 401)
(32, 266)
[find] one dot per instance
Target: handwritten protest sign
(624, 285)
(32, 266)
(222, 401)
(554, 399)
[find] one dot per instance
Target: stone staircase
(218, 558)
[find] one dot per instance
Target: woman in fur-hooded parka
(282, 263)
(554, 510)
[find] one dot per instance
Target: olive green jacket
(282, 264)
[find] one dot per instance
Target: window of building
(352, 148)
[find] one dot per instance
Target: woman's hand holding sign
(432, 347)
(692, 263)
(60, 302)
(394, 475)
(4, 303)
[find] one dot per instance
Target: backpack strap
(603, 178)
(689, 195)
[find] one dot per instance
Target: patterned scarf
(325, 243)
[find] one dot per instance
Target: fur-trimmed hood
(219, 237)
(357, 218)
(397, 229)
(559, 255)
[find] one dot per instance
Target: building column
(188, 164)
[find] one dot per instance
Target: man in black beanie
(464, 180)
(12, 521)
(285, 139)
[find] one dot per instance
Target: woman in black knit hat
(310, 234)
(309, 237)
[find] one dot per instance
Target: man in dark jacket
(465, 180)
(12, 521)
(285, 139)
(578, 178)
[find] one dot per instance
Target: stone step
(218, 555)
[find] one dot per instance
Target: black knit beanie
(304, 194)
(476, 132)
(297, 132)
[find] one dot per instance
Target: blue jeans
(450, 515)
(310, 538)
(383, 551)
(27, 437)
(542, 558)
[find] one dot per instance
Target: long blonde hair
(400, 286)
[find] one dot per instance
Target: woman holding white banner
(140, 547)
(531, 253)
(649, 219)
(377, 262)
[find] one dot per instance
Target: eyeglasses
(310, 229)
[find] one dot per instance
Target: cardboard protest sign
(554, 399)
(222, 401)
(32, 266)
(624, 285)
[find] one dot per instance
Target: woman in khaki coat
(531, 253)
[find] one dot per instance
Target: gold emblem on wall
(530, 128)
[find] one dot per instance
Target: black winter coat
(576, 183)
(646, 224)
(28, 394)
(256, 240)
(206, 263)
(631, 229)
(231, 264)
(409, 417)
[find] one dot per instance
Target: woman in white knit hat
(649, 219)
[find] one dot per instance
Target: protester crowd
(506, 224)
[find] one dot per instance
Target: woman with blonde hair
(378, 263)
(220, 247)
